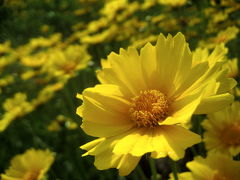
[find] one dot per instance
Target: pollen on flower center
(149, 108)
(219, 177)
(32, 175)
(231, 135)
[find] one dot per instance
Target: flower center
(231, 135)
(219, 177)
(32, 175)
(149, 108)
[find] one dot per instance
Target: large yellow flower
(223, 130)
(32, 165)
(141, 102)
(214, 167)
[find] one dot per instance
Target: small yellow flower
(141, 42)
(65, 63)
(173, 2)
(61, 120)
(47, 93)
(232, 67)
(223, 130)
(15, 107)
(32, 165)
(5, 81)
(111, 8)
(223, 36)
(214, 167)
(105, 35)
(142, 101)
(44, 28)
(5, 47)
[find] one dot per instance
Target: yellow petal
(214, 103)
(104, 130)
(126, 70)
(149, 64)
(161, 141)
(104, 111)
(183, 109)
(178, 140)
(125, 163)
(174, 60)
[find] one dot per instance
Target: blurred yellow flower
(223, 130)
(47, 93)
(61, 120)
(105, 35)
(32, 165)
(35, 60)
(15, 107)
(222, 37)
(141, 102)
(232, 67)
(5, 47)
(6, 80)
(111, 8)
(64, 64)
(214, 167)
(173, 2)
(44, 28)
(139, 43)
(28, 74)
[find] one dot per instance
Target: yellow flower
(222, 37)
(111, 8)
(61, 120)
(173, 2)
(15, 107)
(28, 74)
(5, 81)
(44, 42)
(36, 60)
(105, 35)
(223, 130)
(32, 165)
(5, 47)
(232, 67)
(44, 28)
(141, 102)
(65, 63)
(47, 93)
(141, 42)
(214, 167)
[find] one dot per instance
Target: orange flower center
(149, 108)
(32, 175)
(219, 177)
(231, 135)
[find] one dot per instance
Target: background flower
(223, 130)
(32, 165)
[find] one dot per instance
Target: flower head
(15, 107)
(32, 165)
(214, 167)
(142, 101)
(223, 130)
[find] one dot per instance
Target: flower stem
(153, 169)
(174, 169)
(141, 173)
